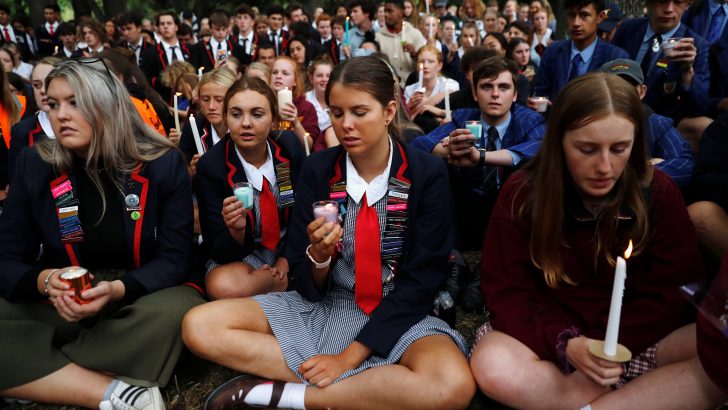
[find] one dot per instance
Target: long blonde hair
(120, 137)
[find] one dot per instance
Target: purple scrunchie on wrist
(562, 340)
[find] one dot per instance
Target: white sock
(260, 395)
(110, 388)
(587, 407)
(291, 398)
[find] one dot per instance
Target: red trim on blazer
(139, 222)
(33, 132)
(403, 167)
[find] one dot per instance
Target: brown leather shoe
(231, 394)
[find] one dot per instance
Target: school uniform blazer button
(131, 201)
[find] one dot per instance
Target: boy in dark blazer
(568, 59)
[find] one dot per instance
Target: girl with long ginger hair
(549, 262)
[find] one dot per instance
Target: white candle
(285, 96)
(199, 72)
(431, 29)
(615, 309)
(55, 51)
(176, 113)
(427, 7)
(422, 76)
(447, 104)
(196, 135)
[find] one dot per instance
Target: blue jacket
(665, 92)
(664, 141)
(553, 73)
(524, 134)
(697, 18)
(159, 242)
(427, 243)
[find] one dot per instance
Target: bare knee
(197, 330)
(226, 281)
(705, 214)
(493, 367)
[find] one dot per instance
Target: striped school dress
(305, 329)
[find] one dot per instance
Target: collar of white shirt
(375, 190)
(214, 43)
(255, 175)
(45, 123)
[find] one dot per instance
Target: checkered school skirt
(639, 365)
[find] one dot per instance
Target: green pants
(138, 343)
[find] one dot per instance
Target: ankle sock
(110, 389)
(291, 398)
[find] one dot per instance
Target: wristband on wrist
(481, 160)
(317, 265)
(47, 279)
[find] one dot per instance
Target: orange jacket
(149, 115)
(5, 124)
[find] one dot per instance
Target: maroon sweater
(524, 307)
(712, 344)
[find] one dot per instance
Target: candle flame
(347, 18)
(201, 69)
(421, 66)
(628, 252)
(178, 94)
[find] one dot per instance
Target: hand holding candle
(243, 191)
(329, 210)
(610, 349)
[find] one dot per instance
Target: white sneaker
(129, 397)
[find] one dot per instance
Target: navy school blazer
(427, 245)
(217, 171)
(160, 241)
(25, 133)
(665, 93)
(153, 62)
(203, 56)
(553, 73)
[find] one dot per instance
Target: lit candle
(422, 76)
(176, 113)
(427, 7)
(471, 42)
(199, 72)
(615, 309)
(447, 105)
(430, 24)
(56, 51)
(346, 32)
(196, 135)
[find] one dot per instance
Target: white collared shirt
(214, 43)
(249, 43)
(375, 190)
(168, 51)
(10, 31)
(49, 25)
(255, 175)
(213, 134)
(138, 50)
(45, 124)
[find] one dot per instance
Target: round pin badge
(131, 200)
(135, 215)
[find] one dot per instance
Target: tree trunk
(36, 11)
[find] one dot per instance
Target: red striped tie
(367, 259)
(269, 218)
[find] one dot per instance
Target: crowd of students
(288, 199)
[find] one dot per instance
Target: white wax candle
(447, 104)
(615, 308)
(285, 96)
(196, 135)
(176, 113)
(199, 72)
(422, 76)
(427, 7)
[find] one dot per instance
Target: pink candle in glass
(327, 209)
